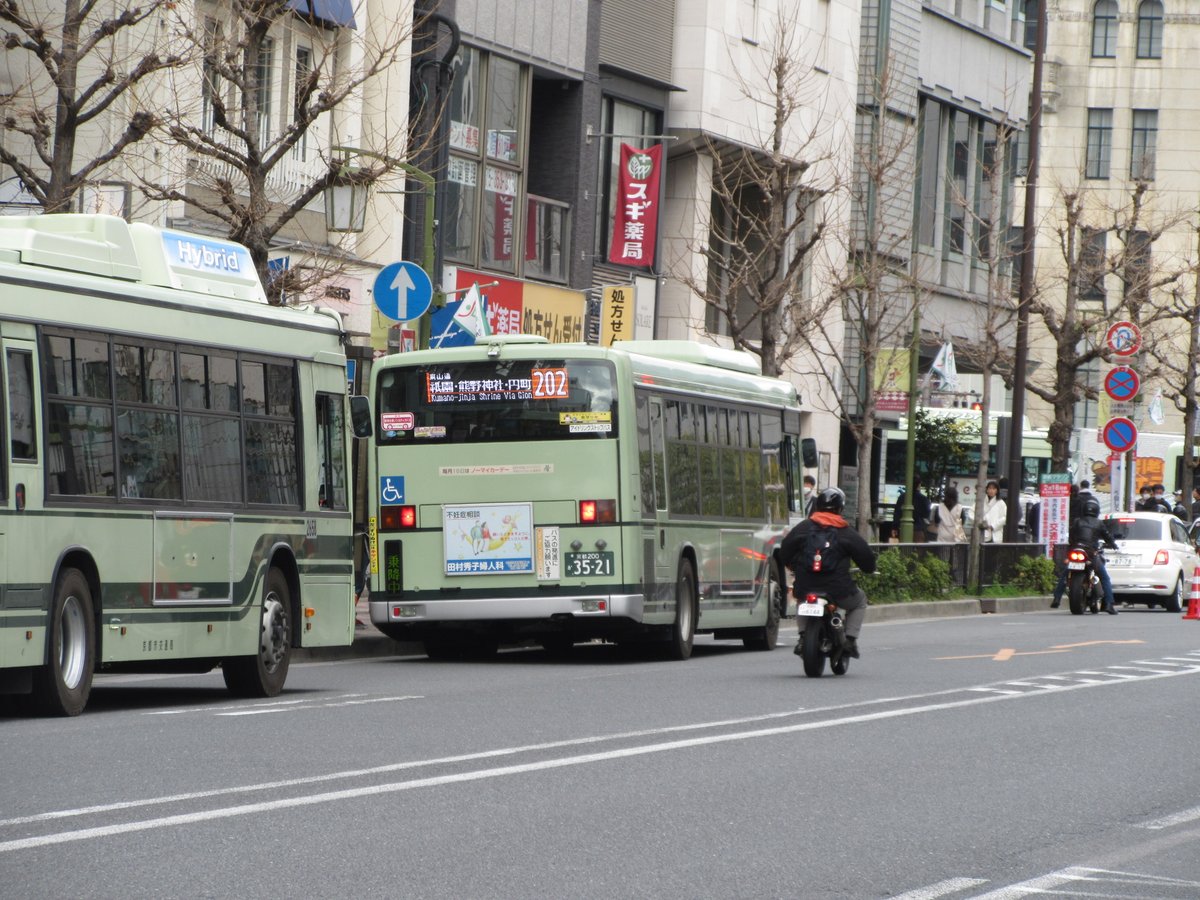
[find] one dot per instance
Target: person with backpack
(950, 518)
(819, 552)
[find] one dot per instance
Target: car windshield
(1128, 528)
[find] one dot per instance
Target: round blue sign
(1120, 434)
(1122, 384)
(403, 291)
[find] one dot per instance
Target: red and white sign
(1123, 338)
(402, 421)
(635, 223)
(1054, 511)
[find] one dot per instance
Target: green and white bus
(173, 489)
(567, 492)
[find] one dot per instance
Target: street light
(346, 206)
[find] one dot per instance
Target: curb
(369, 642)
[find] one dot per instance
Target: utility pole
(1028, 225)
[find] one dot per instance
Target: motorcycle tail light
(1161, 558)
(1076, 556)
(812, 598)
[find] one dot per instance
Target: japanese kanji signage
(635, 222)
(616, 315)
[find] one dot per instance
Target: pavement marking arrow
(1004, 654)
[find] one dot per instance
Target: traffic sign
(1123, 338)
(403, 291)
(1122, 383)
(1120, 434)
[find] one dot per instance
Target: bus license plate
(584, 565)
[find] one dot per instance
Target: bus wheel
(766, 637)
(263, 674)
(683, 632)
(61, 687)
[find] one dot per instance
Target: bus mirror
(808, 452)
(360, 416)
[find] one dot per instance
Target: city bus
(521, 490)
(173, 493)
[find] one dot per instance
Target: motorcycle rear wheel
(814, 659)
(1075, 593)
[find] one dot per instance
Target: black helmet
(830, 500)
(1091, 507)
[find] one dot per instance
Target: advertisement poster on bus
(488, 538)
(1054, 491)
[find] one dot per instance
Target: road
(984, 756)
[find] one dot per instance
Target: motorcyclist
(835, 581)
(1090, 533)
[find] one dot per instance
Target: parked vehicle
(823, 638)
(1155, 562)
(1083, 584)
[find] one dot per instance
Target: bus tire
(683, 632)
(767, 637)
(62, 686)
(263, 674)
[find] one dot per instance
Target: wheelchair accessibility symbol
(391, 490)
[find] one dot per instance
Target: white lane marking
(179, 711)
(1043, 884)
(941, 889)
(1145, 668)
(1179, 818)
(82, 834)
(988, 690)
(331, 704)
(1048, 884)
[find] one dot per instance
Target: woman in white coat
(995, 511)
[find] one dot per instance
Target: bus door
(21, 543)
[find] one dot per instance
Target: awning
(336, 13)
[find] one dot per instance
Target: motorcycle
(1083, 584)
(824, 635)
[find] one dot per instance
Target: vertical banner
(1054, 491)
(892, 379)
(616, 314)
(1117, 482)
(635, 222)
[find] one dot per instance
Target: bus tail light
(593, 511)
(397, 518)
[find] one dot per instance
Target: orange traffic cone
(1193, 611)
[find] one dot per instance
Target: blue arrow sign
(403, 291)
(1122, 383)
(1120, 435)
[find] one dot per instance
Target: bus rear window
(497, 400)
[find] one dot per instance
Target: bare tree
(241, 167)
(1078, 276)
(765, 223)
(76, 64)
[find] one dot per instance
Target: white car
(1154, 560)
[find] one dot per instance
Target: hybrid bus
(173, 487)
(567, 492)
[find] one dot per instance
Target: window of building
(930, 138)
(989, 199)
(304, 67)
(1093, 249)
(1104, 29)
(1144, 144)
(957, 182)
(1149, 29)
(210, 80)
(484, 221)
(733, 245)
(1137, 271)
(261, 109)
(1099, 143)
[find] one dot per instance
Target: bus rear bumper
(482, 609)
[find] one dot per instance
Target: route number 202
(550, 384)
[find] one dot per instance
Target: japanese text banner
(635, 221)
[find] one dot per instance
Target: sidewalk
(369, 641)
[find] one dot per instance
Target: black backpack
(820, 552)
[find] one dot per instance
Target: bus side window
(21, 419)
(791, 470)
(331, 457)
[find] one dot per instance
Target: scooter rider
(1089, 532)
(835, 580)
